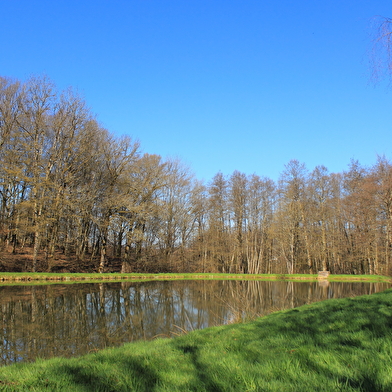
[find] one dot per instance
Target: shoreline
(39, 277)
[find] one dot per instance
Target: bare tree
(12, 188)
(37, 110)
(141, 212)
(320, 195)
(199, 202)
(219, 230)
(382, 187)
(175, 212)
(292, 221)
(237, 204)
(381, 57)
(260, 205)
(119, 157)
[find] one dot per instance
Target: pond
(74, 319)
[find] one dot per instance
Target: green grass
(335, 345)
(30, 277)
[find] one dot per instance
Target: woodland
(76, 198)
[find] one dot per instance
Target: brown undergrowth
(22, 261)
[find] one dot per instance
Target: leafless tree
(381, 56)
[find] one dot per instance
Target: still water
(69, 320)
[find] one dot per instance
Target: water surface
(74, 319)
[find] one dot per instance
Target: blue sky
(223, 85)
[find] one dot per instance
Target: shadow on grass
(366, 384)
(371, 314)
(201, 371)
(143, 378)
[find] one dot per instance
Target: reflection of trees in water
(67, 320)
(249, 299)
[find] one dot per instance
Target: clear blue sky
(223, 85)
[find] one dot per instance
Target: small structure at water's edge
(322, 278)
(323, 275)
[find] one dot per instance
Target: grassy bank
(6, 277)
(335, 345)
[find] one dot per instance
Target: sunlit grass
(335, 345)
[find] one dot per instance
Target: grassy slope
(335, 345)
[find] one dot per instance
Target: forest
(76, 198)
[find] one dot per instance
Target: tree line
(69, 189)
